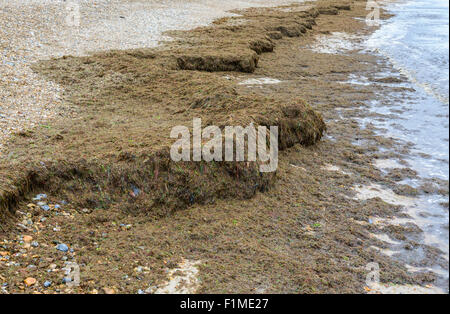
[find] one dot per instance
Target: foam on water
(416, 40)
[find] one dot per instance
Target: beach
(86, 177)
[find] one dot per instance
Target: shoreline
(308, 228)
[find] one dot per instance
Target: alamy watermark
(373, 275)
(73, 15)
(373, 18)
(210, 144)
(72, 274)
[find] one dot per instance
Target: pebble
(29, 281)
(39, 197)
(141, 269)
(22, 226)
(62, 247)
(27, 239)
(135, 192)
(109, 290)
(47, 284)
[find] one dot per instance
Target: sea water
(416, 42)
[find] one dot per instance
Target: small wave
(415, 41)
(428, 88)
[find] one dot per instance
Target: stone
(39, 197)
(107, 290)
(30, 281)
(62, 247)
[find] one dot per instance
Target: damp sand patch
(383, 251)
(181, 280)
(404, 289)
(386, 238)
(387, 195)
(260, 81)
(386, 164)
(354, 79)
(336, 43)
(333, 168)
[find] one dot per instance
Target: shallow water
(414, 47)
(418, 44)
(415, 42)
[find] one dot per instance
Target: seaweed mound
(125, 104)
(213, 61)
